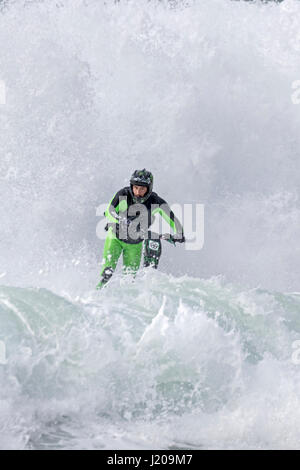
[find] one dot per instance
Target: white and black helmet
(141, 178)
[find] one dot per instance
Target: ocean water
(202, 353)
(161, 362)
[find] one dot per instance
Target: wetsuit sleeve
(118, 203)
(168, 215)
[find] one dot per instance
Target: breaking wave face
(166, 363)
(202, 353)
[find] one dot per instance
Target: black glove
(172, 239)
(124, 222)
(180, 240)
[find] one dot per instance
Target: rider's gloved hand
(124, 222)
(180, 240)
(173, 239)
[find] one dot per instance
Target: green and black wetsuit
(122, 211)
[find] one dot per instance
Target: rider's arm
(117, 204)
(168, 215)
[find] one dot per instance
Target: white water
(168, 362)
(201, 95)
